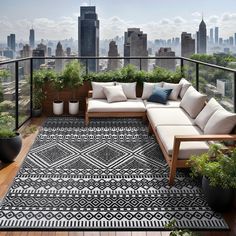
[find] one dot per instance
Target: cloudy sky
(58, 19)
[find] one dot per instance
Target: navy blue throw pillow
(160, 95)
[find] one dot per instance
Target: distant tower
(168, 64)
(187, 45)
(38, 62)
(88, 35)
(202, 38)
(113, 64)
(43, 47)
(59, 63)
(211, 36)
(135, 45)
(32, 38)
(49, 51)
(234, 39)
(68, 51)
(26, 52)
(11, 42)
(216, 35)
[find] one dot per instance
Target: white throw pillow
(98, 89)
(193, 102)
(221, 122)
(129, 89)
(175, 90)
(185, 85)
(206, 113)
(148, 89)
(114, 93)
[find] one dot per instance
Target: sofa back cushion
(203, 117)
(129, 89)
(185, 85)
(148, 89)
(193, 102)
(98, 89)
(221, 122)
(175, 90)
(160, 95)
(114, 93)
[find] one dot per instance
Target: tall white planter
(73, 107)
(58, 107)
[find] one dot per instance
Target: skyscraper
(88, 35)
(211, 36)
(187, 45)
(38, 62)
(113, 64)
(135, 45)
(216, 35)
(202, 38)
(59, 63)
(234, 39)
(11, 42)
(168, 64)
(32, 39)
(26, 52)
(231, 40)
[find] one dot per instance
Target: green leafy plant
(3, 75)
(29, 130)
(73, 76)
(6, 121)
(7, 133)
(217, 166)
(178, 232)
(58, 84)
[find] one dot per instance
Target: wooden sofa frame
(173, 160)
(89, 115)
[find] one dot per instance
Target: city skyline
(158, 20)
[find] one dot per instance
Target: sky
(58, 19)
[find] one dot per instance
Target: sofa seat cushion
(101, 105)
(166, 116)
(167, 134)
(169, 104)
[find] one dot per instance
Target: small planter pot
(58, 107)
(73, 107)
(218, 198)
(10, 148)
(37, 112)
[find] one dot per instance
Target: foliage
(130, 73)
(3, 74)
(6, 105)
(29, 130)
(39, 78)
(73, 75)
(7, 133)
(218, 167)
(6, 121)
(58, 84)
(178, 232)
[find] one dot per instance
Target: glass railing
(16, 78)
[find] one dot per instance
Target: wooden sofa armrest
(90, 93)
(189, 138)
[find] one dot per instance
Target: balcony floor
(8, 173)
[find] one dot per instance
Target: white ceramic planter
(73, 107)
(58, 107)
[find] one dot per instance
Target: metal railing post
(16, 95)
(234, 92)
(140, 63)
(182, 66)
(31, 86)
(197, 76)
(86, 64)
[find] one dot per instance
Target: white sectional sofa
(183, 126)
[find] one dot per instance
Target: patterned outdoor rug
(109, 175)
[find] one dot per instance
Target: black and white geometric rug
(110, 175)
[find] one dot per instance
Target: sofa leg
(150, 131)
(86, 119)
(172, 175)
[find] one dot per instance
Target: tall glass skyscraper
(88, 35)
(202, 38)
(32, 39)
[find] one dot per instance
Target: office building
(88, 35)
(168, 64)
(113, 64)
(234, 39)
(216, 35)
(135, 45)
(49, 51)
(59, 63)
(231, 40)
(43, 47)
(211, 36)
(68, 51)
(187, 45)
(11, 42)
(38, 62)
(32, 39)
(202, 38)
(26, 52)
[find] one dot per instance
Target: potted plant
(10, 141)
(58, 84)
(73, 75)
(218, 171)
